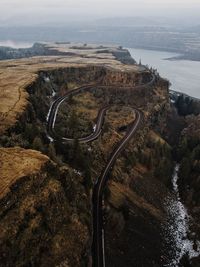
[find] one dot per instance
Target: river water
(183, 74)
(176, 229)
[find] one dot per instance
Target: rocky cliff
(46, 211)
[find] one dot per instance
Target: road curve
(98, 238)
(52, 114)
(98, 231)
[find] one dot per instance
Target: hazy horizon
(61, 12)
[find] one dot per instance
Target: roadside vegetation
(76, 116)
(187, 105)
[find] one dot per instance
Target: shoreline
(178, 93)
(181, 58)
(182, 74)
(181, 55)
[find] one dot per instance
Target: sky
(27, 12)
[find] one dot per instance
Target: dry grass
(140, 169)
(111, 137)
(16, 163)
(155, 138)
(88, 105)
(115, 118)
(15, 75)
(13, 97)
(120, 116)
(120, 193)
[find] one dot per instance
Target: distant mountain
(132, 21)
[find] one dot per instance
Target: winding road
(98, 231)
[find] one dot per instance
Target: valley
(87, 160)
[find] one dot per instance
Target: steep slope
(50, 202)
(44, 212)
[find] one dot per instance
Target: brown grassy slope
(16, 163)
(41, 212)
(121, 192)
(16, 75)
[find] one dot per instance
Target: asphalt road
(98, 231)
(98, 238)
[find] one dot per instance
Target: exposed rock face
(17, 75)
(41, 223)
(124, 56)
(126, 78)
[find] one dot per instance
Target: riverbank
(182, 74)
(177, 228)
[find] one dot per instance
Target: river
(176, 230)
(184, 75)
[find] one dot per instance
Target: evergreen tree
(185, 169)
(87, 175)
(72, 123)
(37, 144)
(51, 151)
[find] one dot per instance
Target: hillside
(17, 75)
(49, 174)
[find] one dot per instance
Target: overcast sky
(16, 12)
